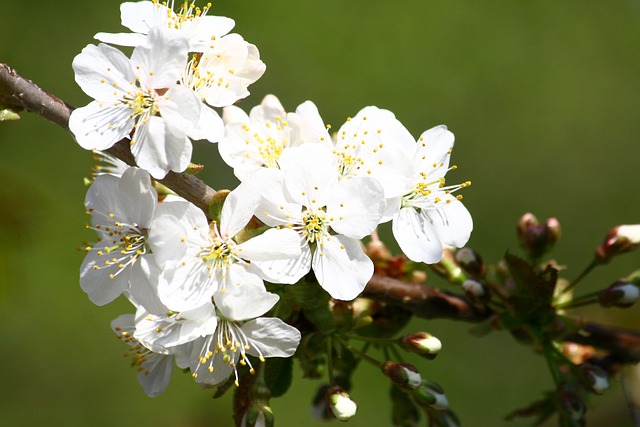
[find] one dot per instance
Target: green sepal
(278, 373)
(217, 201)
(193, 168)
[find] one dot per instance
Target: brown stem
(20, 94)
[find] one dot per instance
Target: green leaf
(278, 372)
(534, 288)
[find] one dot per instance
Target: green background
(542, 97)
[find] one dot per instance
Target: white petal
(103, 72)
(95, 277)
(416, 236)
(98, 126)
(206, 27)
(310, 174)
(181, 109)
(233, 114)
(452, 222)
(239, 206)
(341, 267)
(271, 337)
(158, 151)
(434, 151)
(209, 126)
(187, 285)
(288, 271)
(246, 297)
(122, 39)
(143, 290)
(162, 59)
(307, 125)
(156, 375)
(357, 207)
(139, 17)
(271, 245)
(274, 208)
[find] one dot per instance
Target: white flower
(222, 73)
(330, 216)
(341, 405)
(139, 95)
(154, 369)
(257, 140)
(121, 212)
(216, 357)
(199, 260)
(375, 144)
(430, 215)
(189, 22)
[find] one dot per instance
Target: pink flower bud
(621, 239)
(537, 238)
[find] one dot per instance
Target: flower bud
(421, 343)
(470, 261)
(473, 289)
(537, 238)
(621, 239)
(594, 377)
(403, 375)
(340, 403)
(430, 394)
(620, 294)
(448, 268)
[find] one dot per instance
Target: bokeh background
(543, 98)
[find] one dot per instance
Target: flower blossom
(430, 215)
(189, 22)
(199, 259)
(257, 140)
(139, 95)
(329, 215)
(122, 210)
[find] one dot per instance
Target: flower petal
(271, 337)
(98, 126)
(341, 267)
(357, 207)
(416, 236)
(452, 223)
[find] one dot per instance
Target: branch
(18, 94)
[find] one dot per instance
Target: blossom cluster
(199, 284)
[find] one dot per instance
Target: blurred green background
(543, 98)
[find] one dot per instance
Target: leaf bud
(421, 343)
(620, 294)
(341, 405)
(403, 375)
(619, 240)
(595, 377)
(470, 261)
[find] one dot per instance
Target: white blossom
(330, 216)
(189, 22)
(430, 215)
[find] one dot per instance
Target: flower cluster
(197, 282)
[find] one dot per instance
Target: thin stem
(549, 355)
(354, 350)
(330, 360)
(581, 276)
(581, 301)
